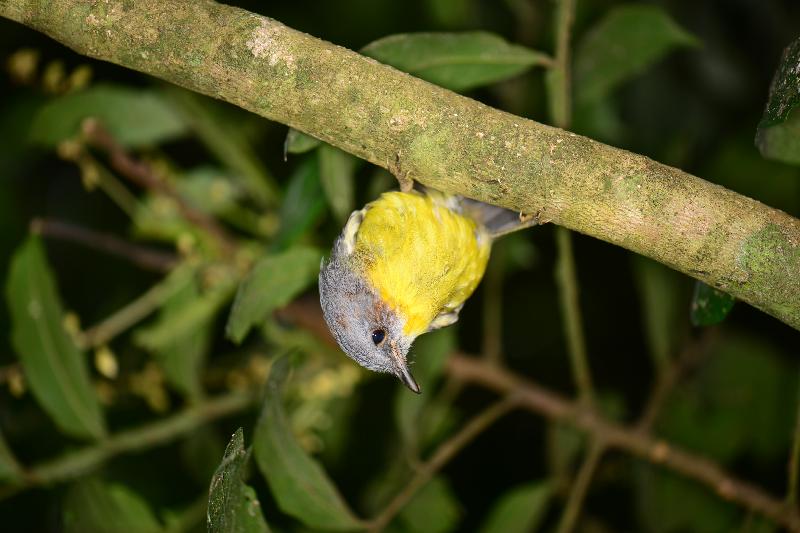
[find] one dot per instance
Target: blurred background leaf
(93, 505)
(54, 366)
(624, 43)
(274, 281)
(519, 510)
(456, 61)
(134, 117)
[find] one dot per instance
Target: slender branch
(122, 319)
(145, 176)
(444, 140)
(559, 91)
(493, 305)
(141, 256)
(444, 453)
(77, 463)
(647, 447)
(669, 377)
(571, 314)
(580, 488)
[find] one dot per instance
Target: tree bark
(442, 139)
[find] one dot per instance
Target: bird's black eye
(378, 336)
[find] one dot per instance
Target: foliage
(121, 385)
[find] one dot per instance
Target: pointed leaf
(337, 175)
(519, 510)
(456, 61)
(299, 485)
(232, 505)
(54, 367)
(434, 509)
(92, 505)
(709, 305)
(222, 135)
(303, 204)
(778, 135)
(181, 335)
(134, 117)
(298, 142)
(274, 281)
(628, 40)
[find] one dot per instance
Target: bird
(403, 266)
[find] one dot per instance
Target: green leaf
(54, 367)
(628, 40)
(735, 404)
(430, 354)
(232, 505)
(134, 117)
(181, 335)
(303, 204)
(778, 135)
(456, 61)
(434, 509)
(298, 483)
(519, 510)
(92, 505)
(225, 139)
(337, 174)
(709, 305)
(274, 281)
(298, 142)
(668, 503)
(9, 467)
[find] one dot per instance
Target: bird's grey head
(365, 327)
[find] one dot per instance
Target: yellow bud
(22, 65)
(53, 77)
(16, 382)
(79, 78)
(106, 363)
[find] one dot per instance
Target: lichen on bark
(443, 139)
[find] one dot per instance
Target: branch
(445, 140)
(141, 256)
(145, 176)
(632, 441)
(444, 452)
(77, 463)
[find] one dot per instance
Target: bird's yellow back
(424, 258)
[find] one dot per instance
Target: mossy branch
(444, 140)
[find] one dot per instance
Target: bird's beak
(402, 371)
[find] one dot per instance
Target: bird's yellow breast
(422, 257)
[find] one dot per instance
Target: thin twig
(669, 377)
(141, 256)
(493, 305)
(102, 332)
(77, 463)
(580, 488)
(642, 445)
(571, 312)
(145, 176)
(446, 451)
(559, 92)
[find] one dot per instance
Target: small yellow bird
(402, 266)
